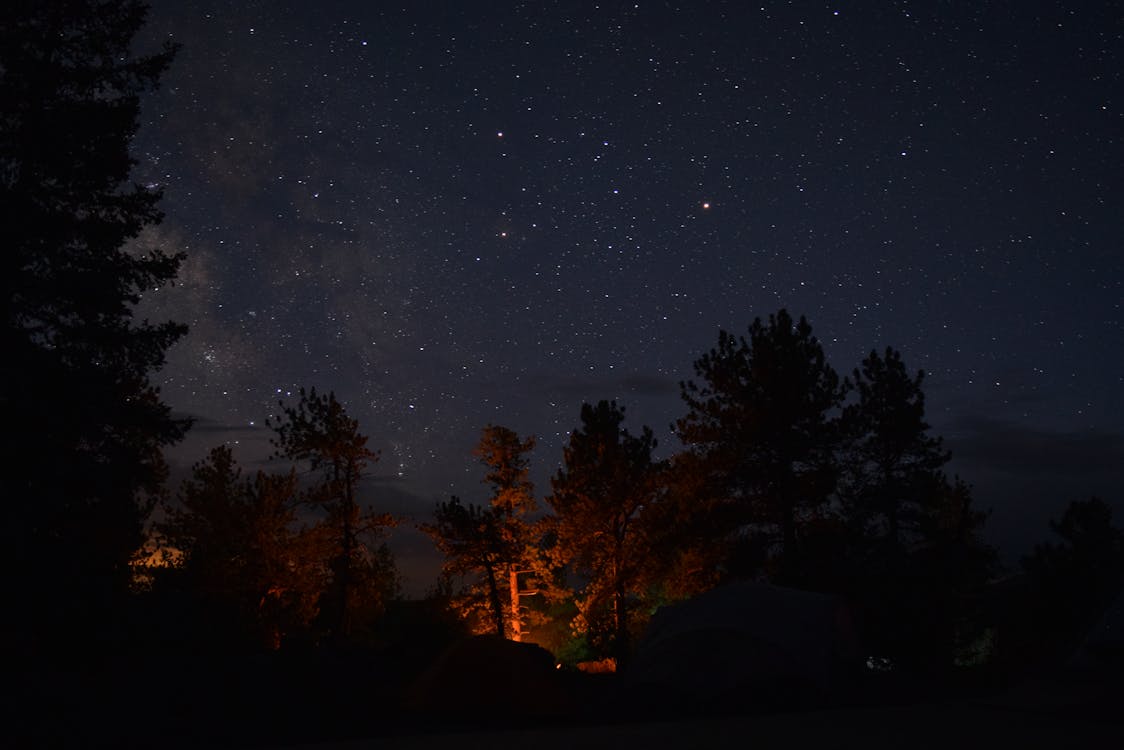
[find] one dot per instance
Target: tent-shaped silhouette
(744, 646)
(476, 676)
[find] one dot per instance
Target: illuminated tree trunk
(318, 431)
(516, 624)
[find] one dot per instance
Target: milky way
(463, 213)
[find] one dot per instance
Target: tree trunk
(494, 598)
(890, 503)
(620, 612)
(789, 563)
(787, 499)
(516, 624)
(343, 626)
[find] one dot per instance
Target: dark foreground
(348, 704)
(929, 726)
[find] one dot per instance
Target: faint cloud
(1005, 446)
(609, 387)
(650, 385)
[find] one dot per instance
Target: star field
(460, 213)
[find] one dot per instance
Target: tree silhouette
(890, 473)
(916, 563)
(318, 433)
(929, 594)
(247, 565)
(601, 500)
(473, 543)
(891, 465)
(687, 549)
(1077, 577)
(88, 425)
(493, 543)
(759, 430)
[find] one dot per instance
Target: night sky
(465, 212)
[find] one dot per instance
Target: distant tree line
(285, 556)
(787, 473)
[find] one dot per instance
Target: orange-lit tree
(476, 551)
(493, 545)
(504, 454)
(601, 522)
(319, 435)
(245, 563)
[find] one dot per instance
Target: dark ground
(349, 703)
(924, 726)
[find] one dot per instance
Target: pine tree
(892, 465)
(246, 565)
(1076, 576)
(601, 503)
(475, 548)
(88, 425)
(504, 454)
(319, 434)
(760, 431)
(917, 561)
(493, 545)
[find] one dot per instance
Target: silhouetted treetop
(493, 547)
(1080, 571)
(82, 476)
(601, 519)
(759, 425)
(317, 431)
(504, 454)
(891, 464)
(248, 568)
(71, 89)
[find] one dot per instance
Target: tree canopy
(601, 501)
(317, 432)
(1077, 573)
(492, 545)
(760, 431)
(248, 566)
(77, 363)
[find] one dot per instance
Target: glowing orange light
(706, 205)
